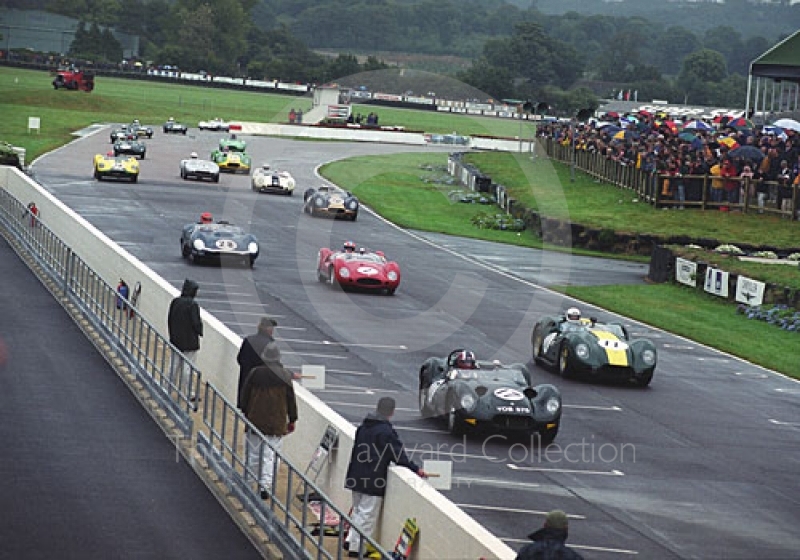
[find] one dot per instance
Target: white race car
(214, 124)
(265, 179)
(194, 168)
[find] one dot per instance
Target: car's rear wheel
(564, 358)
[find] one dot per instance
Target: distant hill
(769, 20)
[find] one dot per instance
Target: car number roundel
(226, 244)
(508, 394)
(367, 270)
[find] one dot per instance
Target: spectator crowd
(741, 160)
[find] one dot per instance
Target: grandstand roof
(781, 62)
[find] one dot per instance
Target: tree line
(515, 52)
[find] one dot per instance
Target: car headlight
(344, 273)
(552, 405)
(582, 350)
(252, 247)
(352, 205)
(468, 402)
(392, 275)
(198, 244)
(649, 357)
(318, 202)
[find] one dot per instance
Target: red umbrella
(646, 114)
(613, 115)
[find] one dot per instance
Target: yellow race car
(231, 161)
(117, 167)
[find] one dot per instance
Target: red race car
(362, 269)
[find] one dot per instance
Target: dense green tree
(671, 47)
(701, 72)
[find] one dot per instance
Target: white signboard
(441, 473)
(716, 282)
(686, 272)
(749, 291)
(313, 376)
(34, 123)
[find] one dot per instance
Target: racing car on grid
(231, 160)
(575, 345)
(171, 126)
(139, 130)
(130, 148)
(122, 133)
(220, 242)
(194, 168)
(232, 144)
(266, 179)
(330, 201)
(471, 394)
(214, 124)
(363, 270)
(116, 167)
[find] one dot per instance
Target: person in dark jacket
(268, 402)
(549, 542)
(375, 447)
(252, 347)
(185, 329)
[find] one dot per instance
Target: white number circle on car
(367, 270)
(508, 394)
(612, 344)
(226, 244)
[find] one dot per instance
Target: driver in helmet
(573, 315)
(193, 155)
(465, 360)
(349, 247)
(206, 218)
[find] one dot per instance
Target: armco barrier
(445, 530)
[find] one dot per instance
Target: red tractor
(74, 79)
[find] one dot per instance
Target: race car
(175, 127)
(220, 242)
(265, 179)
(232, 144)
(330, 201)
(471, 394)
(140, 131)
(130, 148)
(199, 169)
(231, 161)
(363, 270)
(587, 346)
(117, 167)
(122, 133)
(213, 124)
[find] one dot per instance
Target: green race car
(232, 144)
(231, 161)
(574, 345)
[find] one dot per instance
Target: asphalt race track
(702, 464)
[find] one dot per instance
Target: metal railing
(297, 515)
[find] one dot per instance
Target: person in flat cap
(549, 542)
(252, 347)
(267, 400)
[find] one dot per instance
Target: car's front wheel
(454, 425)
(424, 409)
(331, 277)
(644, 380)
(546, 437)
(536, 343)
(564, 358)
(185, 251)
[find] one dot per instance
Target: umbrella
(730, 142)
(747, 152)
(625, 135)
(644, 113)
(741, 122)
(771, 129)
(612, 115)
(698, 125)
(791, 124)
(686, 136)
(611, 129)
